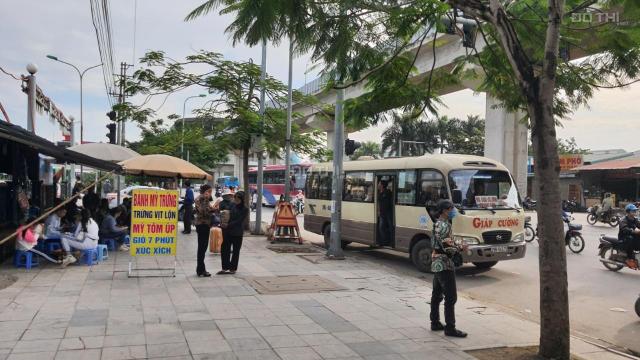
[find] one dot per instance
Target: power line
(101, 19)
(10, 74)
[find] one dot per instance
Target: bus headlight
(465, 240)
(518, 238)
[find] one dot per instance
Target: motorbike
(181, 211)
(298, 206)
(573, 237)
(612, 254)
(571, 206)
(529, 231)
(607, 217)
(529, 204)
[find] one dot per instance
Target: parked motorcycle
(529, 231)
(573, 237)
(298, 206)
(529, 204)
(181, 212)
(612, 254)
(607, 217)
(571, 206)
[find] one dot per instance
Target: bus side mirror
(457, 196)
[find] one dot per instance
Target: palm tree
(367, 148)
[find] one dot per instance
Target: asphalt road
(601, 301)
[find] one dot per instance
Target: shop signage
(154, 222)
(570, 161)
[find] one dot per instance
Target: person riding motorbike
(629, 234)
(299, 201)
(607, 205)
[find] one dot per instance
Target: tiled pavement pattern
(99, 313)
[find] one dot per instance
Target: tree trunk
(245, 179)
(554, 299)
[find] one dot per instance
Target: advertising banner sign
(570, 161)
(154, 222)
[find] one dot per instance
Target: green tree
(367, 148)
(566, 146)
(421, 136)
(234, 87)
(367, 40)
(160, 139)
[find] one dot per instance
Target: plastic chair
(103, 252)
(52, 246)
(25, 259)
(90, 256)
(111, 243)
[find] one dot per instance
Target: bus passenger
(385, 212)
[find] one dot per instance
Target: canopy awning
(19, 135)
(106, 152)
(619, 164)
(163, 166)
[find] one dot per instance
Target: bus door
(385, 209)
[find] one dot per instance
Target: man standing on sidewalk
(187, 204)
(444, 272)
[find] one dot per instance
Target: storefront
(571, 185)
(618, 177)
(26, 175)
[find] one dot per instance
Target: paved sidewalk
(98, 313)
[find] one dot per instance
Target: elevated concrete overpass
(506, 138)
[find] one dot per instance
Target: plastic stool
(111, 243)
(25, 259)
(103, 253)
(90, 256)
(52, 246)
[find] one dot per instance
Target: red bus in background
(274, 178)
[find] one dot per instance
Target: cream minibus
(490, 219)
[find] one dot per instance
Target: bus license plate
(500, 249)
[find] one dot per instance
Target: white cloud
(64, 28)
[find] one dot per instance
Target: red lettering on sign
(168, 200)
(140, 200)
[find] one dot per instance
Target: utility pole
(31, 97)
(263, 75)
(287, 161)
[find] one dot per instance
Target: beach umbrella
(163, 166)
(105, 151)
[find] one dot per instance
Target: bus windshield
(483, 189)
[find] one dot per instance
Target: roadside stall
(621, 178)
(154, 215)
(27, 184)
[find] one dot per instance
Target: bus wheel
(421, 255)
(485, 265)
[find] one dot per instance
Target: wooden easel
(284, 225)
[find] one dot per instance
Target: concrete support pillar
(506, 140)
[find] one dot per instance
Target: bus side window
(432, 189)
(406, 187)
(324, 192)
(358, 187)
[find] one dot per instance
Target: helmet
(630, 208)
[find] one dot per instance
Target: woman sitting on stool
(85, 237)
(111, 230)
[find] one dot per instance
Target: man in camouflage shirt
(444, 279)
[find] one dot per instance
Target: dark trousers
(631, 244)
(203, 243)
(384, 230)
(444, 285)
(229, 261)
(186, 219)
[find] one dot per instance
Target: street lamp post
(81, 75)
(184, 109)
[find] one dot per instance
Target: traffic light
(112, 115)
(112, 133)
(350, 146)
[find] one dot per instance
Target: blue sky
(64, 28)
